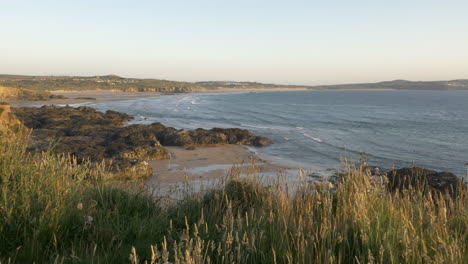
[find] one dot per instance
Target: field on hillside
(109, 82)
(13, 93)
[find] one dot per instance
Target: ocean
(319, 129)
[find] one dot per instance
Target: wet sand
(204, 168)
(205, 163)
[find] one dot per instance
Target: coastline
(86, 96)
(204, 163)
(204, 166)
(97, 96)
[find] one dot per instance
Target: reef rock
(425, 180)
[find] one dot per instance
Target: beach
(207, 167)
(99, 96)
(204, 163)
(86, 96)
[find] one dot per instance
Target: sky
(286, 42)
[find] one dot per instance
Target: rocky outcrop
(170, 136)
(91, 135)
(424, 180)
(95, 136)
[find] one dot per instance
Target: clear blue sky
(296, 42)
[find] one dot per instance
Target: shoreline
(83, 97)
(98, 96)
(203, 163)
(208, 164)
(200, 164)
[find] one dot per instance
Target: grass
(54, 210)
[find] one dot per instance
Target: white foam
(311, 137)
(261, 127)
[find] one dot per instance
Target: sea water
(320, 129)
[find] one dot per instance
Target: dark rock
(424, 180)
(169, 136)
(261, 141)
(91, 135)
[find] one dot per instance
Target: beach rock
(68, 118)
(169, 136)
(425, 180)
(128, 169)
(135, 142)
(261, 141)
(91, 135)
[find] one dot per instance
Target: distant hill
(114, 82)
(246, 85)
(402, 85)
(107, 82)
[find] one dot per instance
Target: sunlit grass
(55, 210)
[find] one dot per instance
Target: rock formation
(424, 180)
(95, 136)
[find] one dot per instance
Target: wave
(276, 128)
(311, 137)
(254, 126)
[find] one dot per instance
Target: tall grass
(356, 221)
(54, 210)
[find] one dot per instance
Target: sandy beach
(207, 163)
(87, 96)
(206, 167)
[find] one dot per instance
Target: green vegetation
(113, 82)
(55, 210)
(52, 209)
(12, 93)
(402, 85)
(109, 82)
